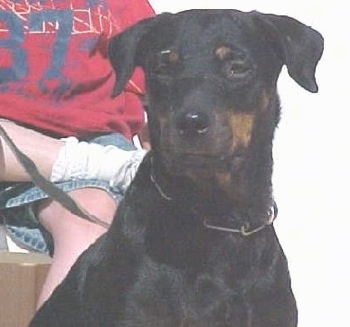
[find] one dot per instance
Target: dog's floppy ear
(125, 49)
(300, 47)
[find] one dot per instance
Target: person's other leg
(71, 234)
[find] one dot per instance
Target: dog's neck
(177, 216)
(231, 220)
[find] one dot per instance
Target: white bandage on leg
(82, 160)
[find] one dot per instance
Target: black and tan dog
(193, 242)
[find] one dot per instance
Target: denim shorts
(18, 202)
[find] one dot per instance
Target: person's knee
(62, 224)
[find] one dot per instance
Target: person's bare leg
(43, 150)
(64, 159)
(72, 234)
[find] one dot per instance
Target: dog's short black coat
(193, 242)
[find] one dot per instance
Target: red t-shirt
(54, 74)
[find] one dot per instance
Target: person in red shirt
(56, 105)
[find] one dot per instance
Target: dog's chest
(168, 298)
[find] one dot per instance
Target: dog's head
(211, 80)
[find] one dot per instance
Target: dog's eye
(167, 61)
(235, 69)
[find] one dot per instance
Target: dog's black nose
(192, 123)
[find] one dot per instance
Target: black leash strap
(48, 187)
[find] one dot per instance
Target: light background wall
(311, 152)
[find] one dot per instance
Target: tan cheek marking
(242, 126)
(224, 181)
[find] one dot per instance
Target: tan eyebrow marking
(222, 52)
